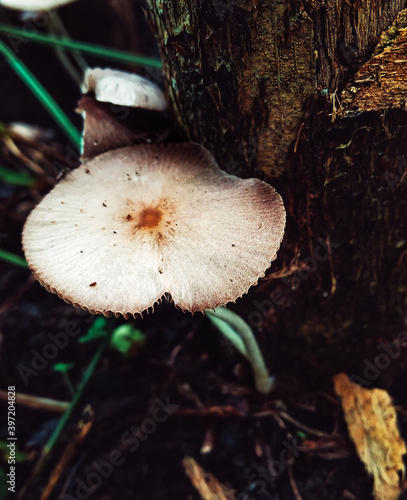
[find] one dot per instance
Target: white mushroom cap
(117, 234)
(34, 5)
(123, 89)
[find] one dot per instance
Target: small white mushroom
(30, 132)
(124, 89)
(103, 129)
(34, 5)
(137, 223)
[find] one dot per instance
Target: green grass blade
(48, 448)
(84, 47)
(13, 259)
(78, 395)
(41, 94)
(17, 178)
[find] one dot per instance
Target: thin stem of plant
(45, 455)
(229, 333)
(41, 94)
(56, 28)
(60, 30)
(246, 345)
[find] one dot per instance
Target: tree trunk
(259, 82)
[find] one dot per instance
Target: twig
(304, 427)
(292, 482)
(83, 429)
(36, 402)
(208, 487)
(209, 441)
(278, 414)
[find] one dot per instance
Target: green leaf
(13, 259)
(128, 340)
(63, 367)
(344, 146)
(17, 178)
(301, 434)
(97, 330)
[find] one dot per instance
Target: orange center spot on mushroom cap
(149, 218)
(154, 219)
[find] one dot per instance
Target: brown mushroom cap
(117, 234)
(105, 127)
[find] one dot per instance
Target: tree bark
(259, 84)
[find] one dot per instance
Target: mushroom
(124, 89)
(127, 109)
(138, 223)
(34, 5)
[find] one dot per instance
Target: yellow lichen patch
(372, 424)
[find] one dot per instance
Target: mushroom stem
(56, 27)
(228, 332)
(237, 331)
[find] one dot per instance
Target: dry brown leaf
(372, 425)
(207, 485)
